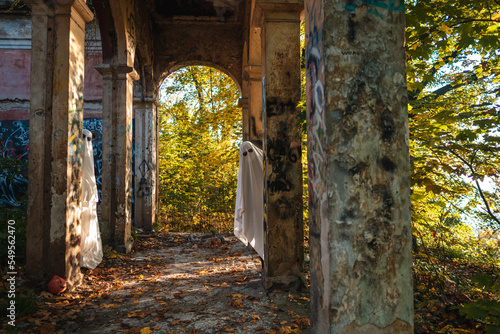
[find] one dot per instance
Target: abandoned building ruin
(67, 64)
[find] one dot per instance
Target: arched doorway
(199, 136)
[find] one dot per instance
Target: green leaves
(453, 72)
(443, 34)
(486, 310)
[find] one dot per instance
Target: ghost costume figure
(91, 246)
(249, 210)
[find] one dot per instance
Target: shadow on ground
(173, 283)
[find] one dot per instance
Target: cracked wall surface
(359, 168)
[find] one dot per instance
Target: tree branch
(433, 71)
(449, 87)
(485, 201)
(440, 92)
(465, 20)
(199, 90)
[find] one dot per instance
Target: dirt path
(174, 283)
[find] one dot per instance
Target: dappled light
(378, 129)
(177, 283)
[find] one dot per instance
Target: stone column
(254, 72)
(55, 158)
(116, 193)
(359, 184)
(255, 130)
(146, 160)
(243, 104)
(283, 223)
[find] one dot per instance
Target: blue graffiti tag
(389, 5)
(14, 147)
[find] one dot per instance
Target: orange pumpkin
(57, 285)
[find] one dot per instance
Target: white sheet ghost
(249, 210)
(91, 245)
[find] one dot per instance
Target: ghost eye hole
(250, 150)
(245, 154)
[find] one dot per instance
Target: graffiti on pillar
(319, 228)
(14, 147)
(277, 108)
(14, 141)
(94, 125)
(145, 187)
(391, 5)
(122, 129)
(317, 127)
(315, 105)
(282, 155)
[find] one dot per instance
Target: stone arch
(146, 86)
(218, 67)
(117, 28)
(236, 112)
(182, 43)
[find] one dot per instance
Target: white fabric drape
(249, 210)
(91, 245)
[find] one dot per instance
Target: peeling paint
(366, 172)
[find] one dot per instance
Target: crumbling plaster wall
(15, 52)
(178, 44)
(15, 45)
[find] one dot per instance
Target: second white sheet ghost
(249, 210)
(91, 246)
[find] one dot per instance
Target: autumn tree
(453, 73)
(200, 133)
(453, 86)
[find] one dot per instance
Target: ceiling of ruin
(218, 10)
(170, 10)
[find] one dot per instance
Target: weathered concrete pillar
(56, 120)
(116, 192)
(146, 160)
(243, 104)
(254, 72)
(359, 189)
(283, 223)
(255, 130)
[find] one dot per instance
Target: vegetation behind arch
(199, 138)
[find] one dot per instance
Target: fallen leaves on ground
(169, 284)
(441, 286)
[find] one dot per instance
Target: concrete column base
(286, 283)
